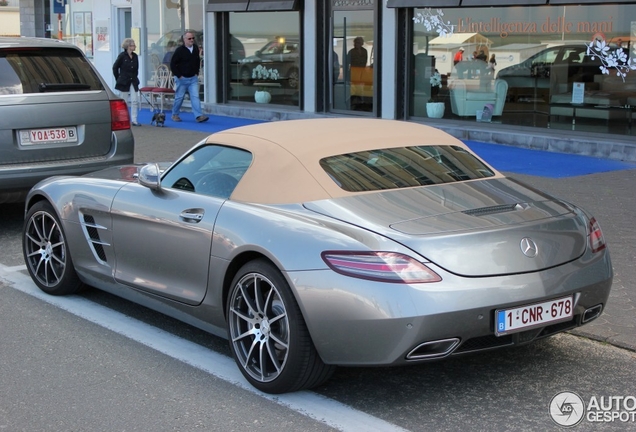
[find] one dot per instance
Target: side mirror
(149, 176)
(258, 53)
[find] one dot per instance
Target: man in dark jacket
(185, 65)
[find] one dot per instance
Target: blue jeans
(190, 85)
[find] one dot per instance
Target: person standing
(459, 56)
(457, 62)
(126, 71)
(358, 55)
(492, 63)
(185, 65)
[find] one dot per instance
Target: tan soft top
(286, 154)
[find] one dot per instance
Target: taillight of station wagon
(119, 117)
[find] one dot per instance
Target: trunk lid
(478, 228)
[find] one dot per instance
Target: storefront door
(353, 36)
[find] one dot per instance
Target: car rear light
(119, 117)
(380, 266)
(597, 241)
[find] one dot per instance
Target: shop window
(530, 66)
(264, 57)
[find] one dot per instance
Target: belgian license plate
(535, 315)
(48, 136)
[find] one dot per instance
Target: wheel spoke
(277, 318)
(33, 240)
(279, 341)
(259, 301)
(251, 352)
(241, 315)
(52, 230)
(56, 277)
(249, 299)
(273, 356)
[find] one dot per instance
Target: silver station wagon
(57, 116)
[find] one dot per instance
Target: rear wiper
(51, 87)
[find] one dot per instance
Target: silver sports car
(316, 243)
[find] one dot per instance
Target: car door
(162, 241)
(162, 238)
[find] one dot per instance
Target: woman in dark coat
(126, 69)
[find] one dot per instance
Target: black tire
(268, 335)
(246, 77)
(46, 253)
(293, 78)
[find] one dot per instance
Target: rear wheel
(268, 335)
(46, 252)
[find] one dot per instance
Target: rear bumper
(17, 179)
(354, 322)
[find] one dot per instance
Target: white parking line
(320, 408)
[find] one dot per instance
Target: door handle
(192, 215)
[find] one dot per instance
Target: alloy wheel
(259, 327)
(45, 249)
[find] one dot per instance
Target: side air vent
(91, 230)
(484, 211)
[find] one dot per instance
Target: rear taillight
(119, 117)
(597, 241)
(380, 266)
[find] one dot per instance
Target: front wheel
(268, 335)
(46, 252)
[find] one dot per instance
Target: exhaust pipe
(433, 349)
(592, 313)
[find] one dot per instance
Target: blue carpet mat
(544, 163)
(215, 124)
(502, 157)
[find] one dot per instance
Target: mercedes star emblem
(529, 247)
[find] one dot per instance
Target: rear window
(403, 167)
(36, 70)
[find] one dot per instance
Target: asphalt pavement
(601, 186)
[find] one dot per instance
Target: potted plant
(261, 73)
(435, 109)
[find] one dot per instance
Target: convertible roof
(286, 154)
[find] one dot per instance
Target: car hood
(472, 228)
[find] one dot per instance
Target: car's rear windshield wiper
(52, 87)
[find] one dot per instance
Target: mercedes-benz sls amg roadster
(310, 244)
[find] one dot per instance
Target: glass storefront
(530, 66)
(166, 23)
(264, 57)
(550, 66)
